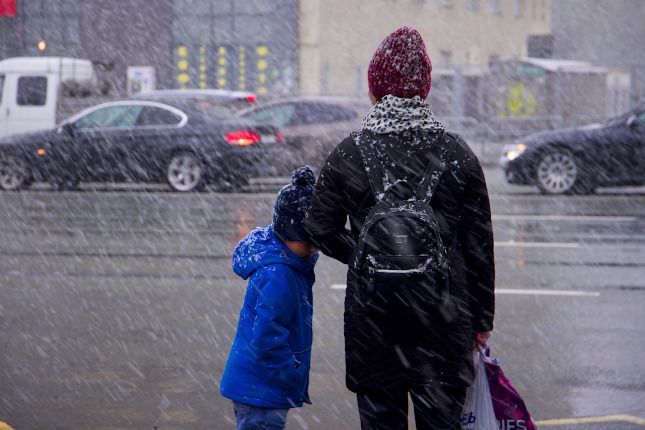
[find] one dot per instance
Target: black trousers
(435, 408)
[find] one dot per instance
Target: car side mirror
(631, 121)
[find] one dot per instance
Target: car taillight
(242, 138)
(251, 98)
(279, 137)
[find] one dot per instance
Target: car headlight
(512, 152)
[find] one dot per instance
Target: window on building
(495, 7)
(518, 10)
(32, 91)
(473, 4)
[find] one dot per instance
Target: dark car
(139, 141)
(212, 103)
(312, 126)
(579, 160)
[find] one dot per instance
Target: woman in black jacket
(387, 355)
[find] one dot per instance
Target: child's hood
(261, 248)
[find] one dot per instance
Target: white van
(30, 90)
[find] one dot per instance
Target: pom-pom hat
(292, 204)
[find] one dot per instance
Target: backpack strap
(435, 169)
(430, 180)
(372, 166)
(453, 246)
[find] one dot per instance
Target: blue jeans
(253, 418)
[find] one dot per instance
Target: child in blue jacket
(268, 367)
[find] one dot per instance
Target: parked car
(139, 141)
(32, 90)
(581, 159)
(312, 126)
(210, 102)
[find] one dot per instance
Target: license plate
(267, 138)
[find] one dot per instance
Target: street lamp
(42, 45)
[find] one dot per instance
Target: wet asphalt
(118, 308)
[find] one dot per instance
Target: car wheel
(185, 172)
(14, 174)
(559, 173)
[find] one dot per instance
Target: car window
(322, 113)
(214, 109)
(641, 118)
(32, 91)
(110, 117)
(1, 87)
(278, 115)
(238, 104)
(151, 115)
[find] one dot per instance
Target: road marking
(592, 420)
(5, 426)
(534, 292)
(592, 218)
(518, 291)
(512, 243)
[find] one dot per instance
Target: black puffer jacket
(380, 350)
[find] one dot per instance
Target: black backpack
(401, 260)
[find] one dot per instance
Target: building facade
(250, 45)
(271, 47)
(609, 33)
(114, 34)
(338, 37)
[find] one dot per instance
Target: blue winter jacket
(269, 361)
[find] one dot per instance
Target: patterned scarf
(395, 114)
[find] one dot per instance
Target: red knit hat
(400, 66)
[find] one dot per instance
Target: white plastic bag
(478, 413)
